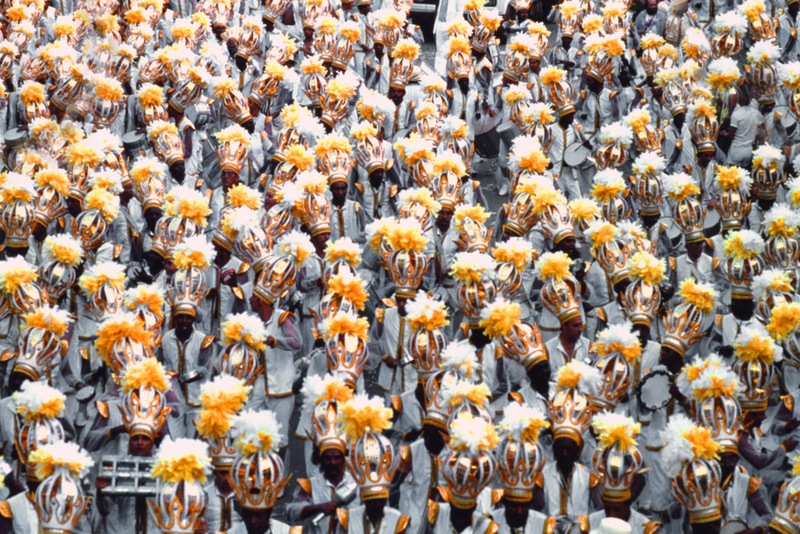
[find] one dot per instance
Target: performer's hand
(228, 277)
(789, 444)
(102, 482)
(328, 508)
(390, 362)
(675, 392)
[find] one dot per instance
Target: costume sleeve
(290, 340)
(758, 459)
(294, 510)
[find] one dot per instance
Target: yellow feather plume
(703, 446)
(55, 178)
(584, 209)
(534, 161)
(555, 265)
(151, 95)
(458, 44)
(605, 233)
(299, 156)
(331, 143)
(163, 127)
(520, 257)
(83, 154)
(551, 75)
(351, 289)
(108, 89)
(112, 331)
(475, 213)
(358, 417)
(32, 93)
(501, 319)
(44, 321)
(784, 320)
(342, 323)
(407, 49)
(363, 130)
(234, 134)
(219, 407)
(616, 431)
(696, 295)
(340, 91)
(646, 267)
(148, 373)
(102, 200)
(406, 237)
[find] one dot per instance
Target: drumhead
(576, 154)
(734, 526)
(787, 119)
(133, 141)
(15, 136)
(653, 389)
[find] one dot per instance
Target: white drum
(576, 154)
(734, 526)
(653, 389)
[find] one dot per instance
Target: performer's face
(332, 463)
(140, 445)
(516, 513)
(338, 192)
(256, 521)
(229, 179)
(573, 329)
(693, 250)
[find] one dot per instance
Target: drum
(487, 144)
(14, 138)
(734, 526)
(85, 395)
(787, 118)
(134, 142)
(653, 389)
(576, 154)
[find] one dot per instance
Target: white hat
(610, 525)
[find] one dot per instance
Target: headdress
(371, 458)
(257, 473)
(756, 353)
(346, 346)
(221, 399)
(690, 459)
(123, 340)
(743, 249)
(618, 459)
(475, 286)
(144, 404)
(715, 394)
(59, 499)
(520, 457)
(470, 465)
(324, 396)
(180, 470)
(642, 298)
(570, 407)
(619, 355)
(426, 317)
